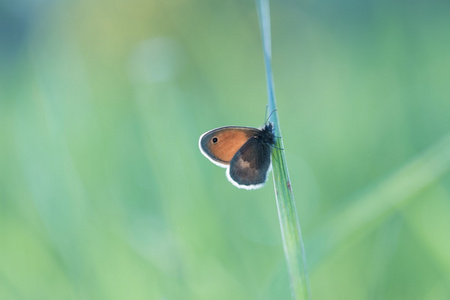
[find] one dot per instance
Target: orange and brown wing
(221, 144)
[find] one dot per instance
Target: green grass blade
(290, 226)
(383, 199)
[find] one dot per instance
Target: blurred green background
(105, 195)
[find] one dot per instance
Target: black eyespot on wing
(214, 140)
(250, 164)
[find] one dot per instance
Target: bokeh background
(104, 194)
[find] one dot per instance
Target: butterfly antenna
(271, 113)
(267, 109)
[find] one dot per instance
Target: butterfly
(244, 151)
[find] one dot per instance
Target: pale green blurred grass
(104, 194)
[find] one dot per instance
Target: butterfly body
(244, 151)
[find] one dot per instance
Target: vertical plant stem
(287, 213)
